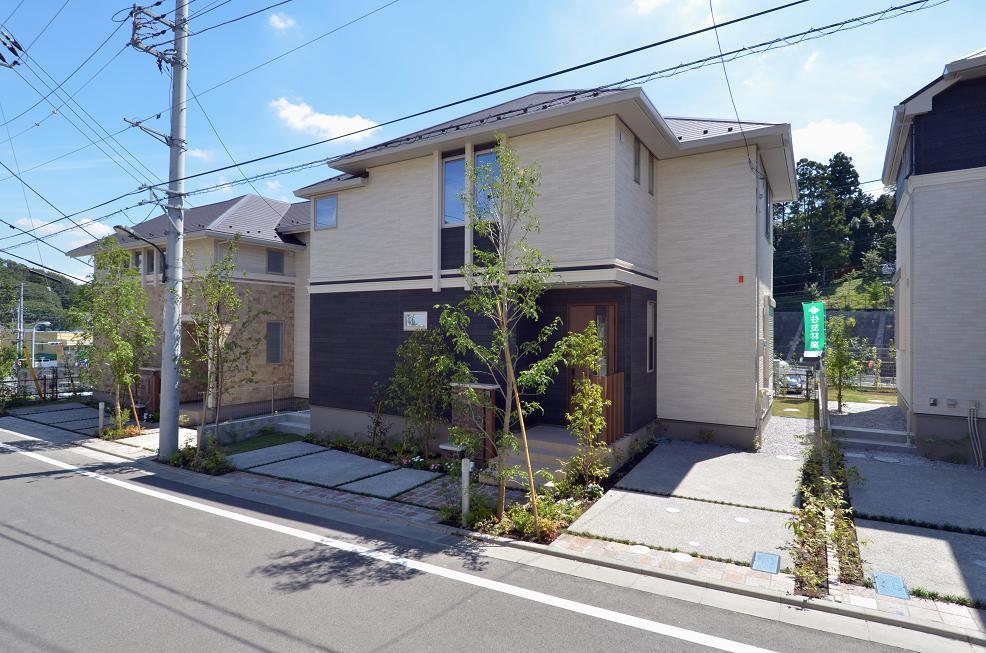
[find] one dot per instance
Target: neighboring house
(936, 157)
(659, 229)
(271, 262)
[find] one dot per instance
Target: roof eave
(330, 186)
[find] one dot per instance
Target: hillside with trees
(832, 242)
(47, 296)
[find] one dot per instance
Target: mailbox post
(457, 451)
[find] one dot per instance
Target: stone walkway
(867, 415)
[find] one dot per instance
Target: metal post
(102, 409)
(466, 466)
(272, 388)
(171, 351)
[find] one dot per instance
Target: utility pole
(177, 58)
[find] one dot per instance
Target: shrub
(211, 461)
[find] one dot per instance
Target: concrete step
(850, 444)
(294, 428)
(887, 436)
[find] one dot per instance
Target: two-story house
(659, 229)
(271, 266)
(936, 157)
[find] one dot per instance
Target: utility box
(478, 415)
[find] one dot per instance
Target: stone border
(866, 614)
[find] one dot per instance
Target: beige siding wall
(707, 319)
(636, 208)
(902, 303)
(252, 259)
(948, 300)
(384, 228)
(302, 325)
(577, 193)
(765, 288)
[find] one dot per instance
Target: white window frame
(315, 202)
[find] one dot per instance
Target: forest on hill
(47, 295)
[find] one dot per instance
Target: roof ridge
(732, 121)
(239, 200)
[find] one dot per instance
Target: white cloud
(301, 117)
(688, 10)
(647, 6)
(224, 186)
(820, 139)
(810, 61)
(280, 21)
(272, 185)
(196, 153)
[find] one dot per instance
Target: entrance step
(295, 423)
(887, 436)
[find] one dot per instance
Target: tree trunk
(523, 438)
(116, 407)
(133, 406)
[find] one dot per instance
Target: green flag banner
(814, 328)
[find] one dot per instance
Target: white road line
(469, 579)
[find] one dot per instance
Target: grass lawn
(866, 396)
(259, 442)
(802, 408)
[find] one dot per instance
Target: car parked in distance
(794, 383)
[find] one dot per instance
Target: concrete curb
(866, 614)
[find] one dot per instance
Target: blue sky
(837, 92)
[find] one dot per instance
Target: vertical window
(274, 330)
(651, 336)
(138, 260)
(602, 330)
(487, 170)
(325, 212)
(636, 159)
(650, 173)
(149, 262)
(453, 184)
(275, 261)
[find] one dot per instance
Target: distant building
(936, 157)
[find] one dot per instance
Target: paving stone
(643, 518)
(716, 473)
(390, 484)
(329, 468)
(57, 417)
(274, 454)
(45, 408)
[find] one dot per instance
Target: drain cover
(769, 562)
(890, 585)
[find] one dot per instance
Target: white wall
(636, 208)
(302, 324)
(948, 291)
(902, 302)
(706, 319)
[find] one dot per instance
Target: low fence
(50, 383)
(246, 401)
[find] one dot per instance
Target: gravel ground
(786, 436)
(864, 415)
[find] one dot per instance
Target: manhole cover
(768, 562)
(886, 459)
(785, 457)
(742, 520)
(681, 557)
(672, 510)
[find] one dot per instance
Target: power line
(47, 25)
(44, 267)
(508, 87)
(239, 18)
(13, 11)
(17, 166)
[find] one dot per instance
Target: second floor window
(454, 183)
(325, 212)
(275, 261)
(149, 263)
(636, 160)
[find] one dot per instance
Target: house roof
(254, 217)
(971, 66)
(665, 137)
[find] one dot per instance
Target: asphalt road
(152, 565)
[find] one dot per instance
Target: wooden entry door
(610, 377)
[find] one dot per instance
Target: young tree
(841, 364)
(506, 278)
(220, 338)
(111, 310)
(583, 351)
(420, 386)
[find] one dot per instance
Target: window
(149, 263)
(274, 330)
(325, 212)
(487, 169)
(651, 336)
(275, 261)
(636, 159)
(138, 260)
(650, 172)
(453, 184)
